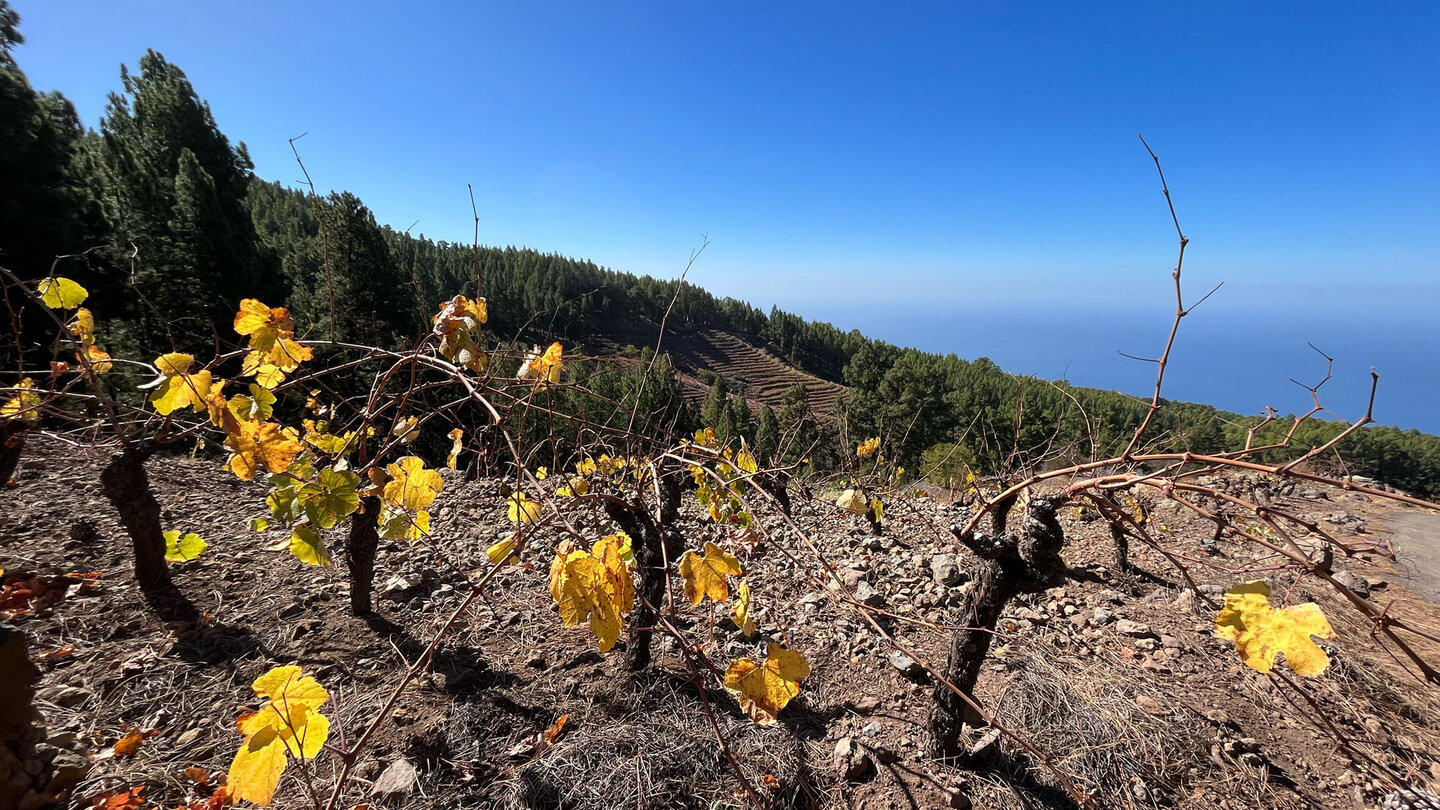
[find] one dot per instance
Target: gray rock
(396, 780)
(67, 697)
(1103, 615)
(851, 762)
(905, 665)
(945, 571)
(1354, 582)
(1126, 627)
(866, 593)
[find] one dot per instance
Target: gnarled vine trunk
(12, 444)
(360, 547)
(654, 541)
(1009, 566)
(127, 486)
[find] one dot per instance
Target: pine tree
(175, 189)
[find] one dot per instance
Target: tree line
(162, 217)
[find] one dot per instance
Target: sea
(1236, 359)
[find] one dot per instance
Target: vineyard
(307, 512)
(459, 584)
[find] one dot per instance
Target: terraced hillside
(747, 363)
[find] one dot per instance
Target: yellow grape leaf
(878, 507)
(406, 429)
(25, 404)
(577, 486)
(458, 327)
(411, 486)
(745, 460)
(504, 552)
(706, 576)
(180, 549)
(764, 690)
(868, 447)
(852, 501)
(705, 437)
(544, 367)
(83, 326)
(60, 293)
(330, 497)
(623, 546)
(541, 473)
(585, 466)
(522, 509)
(742, 611)
(1260, 631)
(456, 445)
(261, 444)
(271, 334)
(288, 725)
(595, 585)
(306, 545)
(98, 358)
(266, 375)
(178, 388)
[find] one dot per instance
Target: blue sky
(844, 158)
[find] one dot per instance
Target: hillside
(1118, 679)
(749, 364)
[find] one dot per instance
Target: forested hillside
(161, 217)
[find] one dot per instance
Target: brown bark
(654, 541)
(12, 444)
(360, 548)
(1009, 566)
(127, 487)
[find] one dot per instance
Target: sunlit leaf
(61, 293)
(288, 725)
(522, 510)
(763, 690)
(707, 575)
(411, 486)
(306, 545)
(1260, 631)
(181, 549)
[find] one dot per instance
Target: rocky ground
(1116, 679)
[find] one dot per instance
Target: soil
(1152, 711)
(1417, 547)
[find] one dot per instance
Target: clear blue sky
(848, 158)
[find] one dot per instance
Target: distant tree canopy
(166, 223)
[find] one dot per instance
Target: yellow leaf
(595, 585)
(1260, 631)
(307, 547)
(178, 549)
(61, 293)
(705, 437)
(745, 460)
(287, 725)
(458, 327)
(503, 552)
(406, 429)
(522, 510)
(706, 576)
(764, 690)
(25, 404)
(852, 501)
(455, 446)
(98, 358)
(742, 611)
(179, 388)
(411, 486)
(868, 447)
(271, 331)
(544, 367)
(577, 486)
(541, 473)
(261, 444)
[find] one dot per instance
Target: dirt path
(1417, 545)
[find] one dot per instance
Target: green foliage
(946, 464)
